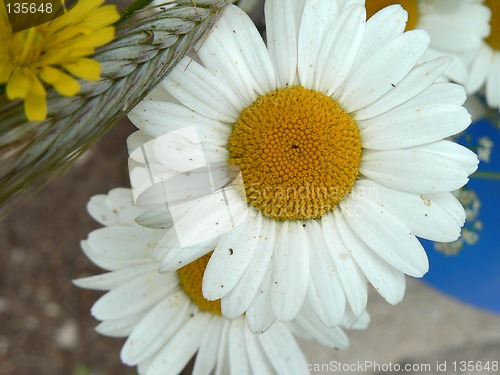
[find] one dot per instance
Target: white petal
(224, 57)
(362, 322)
(281, 32)
(339, 51)
(388, 281)
(457, 71)
(414, 126)
(133, 297)
(156, 328)
(246, 49)
(451, 204)
(260, 315)
(453, 151)
(237, 301)
(198, 89)
(114, 279)
(317, 18)
(352, 279)
(416, 81)
(332, 337)
(377, 75)
(258, 361)
(179, 256)
(159, 218)
(238, 360)
(120, 327)
(349, 320)
(291, 270)
(314, 300)
(110, 258)
(212, 215)
(181, 347)
(125, 244)
(461, 29)
(167, 241)
(397, 246)
(206, 357)
(215, 153)
(97, 208)
(421, 215)
(325, 275)
(230, 258)
(479, 69)
(158, 118)
(143, 367)
(438, 92)
(222, 364)
(413, 170)
(282, 351)
(380, 29)
(493, 82)
(115, 208)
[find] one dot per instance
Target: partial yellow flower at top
(53, 53)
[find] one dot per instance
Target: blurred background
(45, 322)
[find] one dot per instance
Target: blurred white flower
(456, 27)
(485, 61)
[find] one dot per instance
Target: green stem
(131, 9)
(487, 175)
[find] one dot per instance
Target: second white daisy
(165, 316)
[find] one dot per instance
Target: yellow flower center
(298, 152)
(494, 38)
(190, 278)
(411, 6)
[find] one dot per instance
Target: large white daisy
(456, 27)
(485, 61)
(338, 133)
(165, 316)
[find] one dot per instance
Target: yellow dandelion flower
(53, 53)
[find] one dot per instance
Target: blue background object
(473, 275)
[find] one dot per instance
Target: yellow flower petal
(50, 75)
(35, 107)
(36, 86)
(104, 16)
(76, 14)
(54, 53)
(66, 85)
(95, 39)
(85, 68)
(18, 85)
(5, 72)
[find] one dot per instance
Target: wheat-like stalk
(147, 46)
